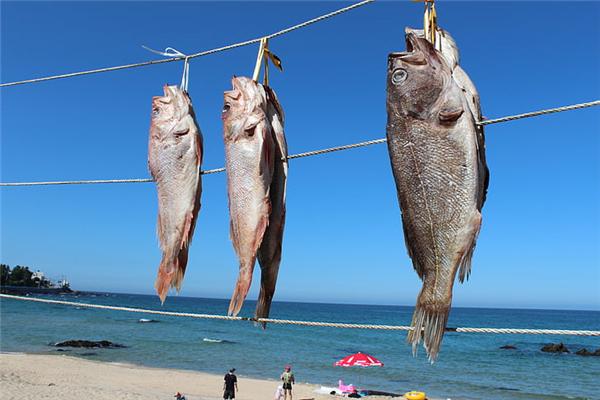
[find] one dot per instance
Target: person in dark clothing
(230, 385)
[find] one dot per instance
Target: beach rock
(62, 350)
(88, 344)
(555, 348)
(586, 352)
(508, 347)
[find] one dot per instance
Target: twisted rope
(200, 54)
(339, 325)
(541, 112)
(308, 153)
(204, 172)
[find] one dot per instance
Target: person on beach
(230, 385)
(288, 380)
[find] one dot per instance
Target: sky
(539, 246)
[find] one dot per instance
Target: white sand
(26, 376)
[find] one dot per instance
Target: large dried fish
(174, 158)
(250, 163)
(269, 253)
(438, 161)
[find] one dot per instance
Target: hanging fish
(174, 159)
(438, 160)
(256, 182)
(269, 253)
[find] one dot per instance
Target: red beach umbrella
(359, 360)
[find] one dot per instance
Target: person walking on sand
(230, 385)
(288, 380)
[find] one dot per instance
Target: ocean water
(470, 366)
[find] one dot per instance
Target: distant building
(38, 275)
(63, 283)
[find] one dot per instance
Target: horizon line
(345, 303)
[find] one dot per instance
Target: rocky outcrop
(89, 344)
(555, 348)
(508, 347)
(586, 352)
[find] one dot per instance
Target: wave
(209, 340)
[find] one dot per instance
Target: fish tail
(429, 323)
(170, 273)
(182, 259)
(166, 272)
(268, 280)
(241, 289)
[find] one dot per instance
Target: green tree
(4, 274)
(21, 276)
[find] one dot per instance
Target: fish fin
(188, 228)
(181, 128)
(484, 172)
(241, 288)
(268, 281)
(467, 239)
(159, 229)
(252, 121)
(166, 270)
(449, 115)
(410, 240)
(180, 267)
(199, 150)
(429, 323)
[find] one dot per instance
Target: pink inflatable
(346, 388)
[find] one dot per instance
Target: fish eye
(155, 111)
(399, 76)
(226, 107)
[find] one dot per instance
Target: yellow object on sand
(412, 395)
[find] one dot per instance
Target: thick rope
(340, 325)
(200, 54)
(309, 153)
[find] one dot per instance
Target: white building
(38, 275)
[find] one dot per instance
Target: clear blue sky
(540, 241)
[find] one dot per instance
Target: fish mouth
(411, 41)
(411, 44)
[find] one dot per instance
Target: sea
(470, 366)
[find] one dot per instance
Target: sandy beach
(26, 376)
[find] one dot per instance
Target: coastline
(72, 378)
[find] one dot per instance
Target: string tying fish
(174, 53)
(429, 21)
(264, 55)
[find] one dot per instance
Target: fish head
(416, 78)
(243, 108)
(168, 110)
